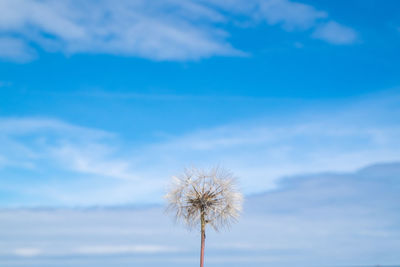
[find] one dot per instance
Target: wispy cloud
(91, 250)
(27, 252)
(76, 157)
(14, 49)
(291, 15)
(158, 30)
(334, 33)
(100, 164)
(125, 249)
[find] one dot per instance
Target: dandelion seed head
(211, 192)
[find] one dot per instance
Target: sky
(102, 102)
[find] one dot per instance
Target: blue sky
(100, 103)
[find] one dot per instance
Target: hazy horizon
(326, 219)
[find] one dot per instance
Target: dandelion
(205, 197)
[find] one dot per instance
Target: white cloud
(291, 15)
(20, 126)
(14, 49)
(261, 154)
(158, 30)
(43, 134)
(87, 164)
(333, 32)
(96, 159)
(125, 249)
(27, 252)
(82, 166)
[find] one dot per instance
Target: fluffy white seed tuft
(211, 192)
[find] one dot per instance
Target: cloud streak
(14, 49)
(109, 250)
(65, 157)
(160, 30)
(335, 33)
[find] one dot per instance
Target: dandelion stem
(203, 239)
